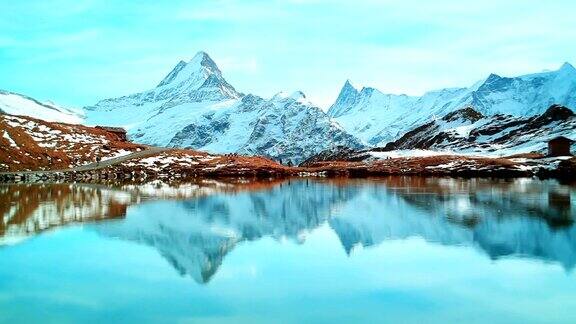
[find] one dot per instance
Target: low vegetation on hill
(32, 144)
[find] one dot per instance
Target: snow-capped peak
(203, 60)
(346, 98)
(279, 96)
(194, 73)
(348, 87)
(492, 77)
(567, 67)
(376, 117)
(296, 96)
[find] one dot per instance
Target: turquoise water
(391, 250)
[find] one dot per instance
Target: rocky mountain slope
(28, 144)
(288, 128)
(467, 141)
(378, 118)
(32, 144)
(17, 104)
(469, 131)
(194, 107)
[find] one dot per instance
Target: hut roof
(112, 129)
(561, 139)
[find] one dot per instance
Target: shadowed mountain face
(197, 228)
(469, 131)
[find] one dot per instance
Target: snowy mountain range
(377, 118)
(194, 107)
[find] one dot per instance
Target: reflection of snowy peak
(191, 247)
(196, 235)
(377, 118)
(481, 215)
(195, 107)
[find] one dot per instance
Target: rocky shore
(187, 164)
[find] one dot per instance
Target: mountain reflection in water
(194, 226)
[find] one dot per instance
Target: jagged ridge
(378, 118)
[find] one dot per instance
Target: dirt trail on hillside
(99, 165)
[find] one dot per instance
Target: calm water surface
(302, 251)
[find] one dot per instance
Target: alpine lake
(387, 250)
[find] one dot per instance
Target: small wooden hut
(118, 131)
(559, 146)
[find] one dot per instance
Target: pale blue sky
(77, 52)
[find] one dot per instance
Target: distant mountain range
(195, 107)
(378, 118)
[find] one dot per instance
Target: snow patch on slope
(17, 104)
